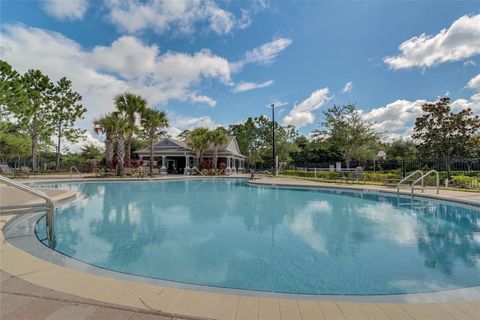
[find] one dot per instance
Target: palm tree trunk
(109, 147)
(120, 154)
(129, 150)
(152, 142)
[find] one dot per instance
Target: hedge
(371, 176)
(466, 182)
(311, 174)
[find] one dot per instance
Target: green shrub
(376, 176)
(311, 174)
(466, 182)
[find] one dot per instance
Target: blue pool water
(227, 233)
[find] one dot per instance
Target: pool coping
(366, 188)
(147, 296)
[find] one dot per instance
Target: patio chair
(357, 175)
(25, 171)
(6, 170)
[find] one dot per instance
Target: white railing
(422, 179)
(42, 195)
(78, 172)
(408, 177)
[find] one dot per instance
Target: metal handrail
(40, 194)
(422, 179)
(407, 177)
(76, 169)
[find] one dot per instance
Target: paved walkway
(20, 300)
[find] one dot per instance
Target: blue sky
(214, 63)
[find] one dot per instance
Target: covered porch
(184, 164)
(175, 157)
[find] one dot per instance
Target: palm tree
(123, 128)
(218, 137)
(198, 140)
(152, 122)
(106, 125)
(131, 105)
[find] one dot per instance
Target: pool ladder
(78, 172)
(437, 180)
(44, 196)
(407, 177)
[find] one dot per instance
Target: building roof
(166, 146)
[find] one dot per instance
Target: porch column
(228, 168)
(234, 167)
(187, 165)
(163, 170)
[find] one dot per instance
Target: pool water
(228, 233)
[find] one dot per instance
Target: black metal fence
(44, 165)
(465, 166)
(459, 166)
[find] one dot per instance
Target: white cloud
(348, 87)
(88, 139)
(175, 17)
(473, 103)
(302, 114)
(264, 55)
(277, 103)
(100, 73)
(246, 86)
(173, 132)
(245, 20)
(397, 119)
(66, 9)
(127, 56)
(179, 123)
(203, 99)
(469, 63)
(474, 83)
(460, 41)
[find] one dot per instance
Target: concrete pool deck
(172, 302)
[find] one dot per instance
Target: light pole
(274, 165)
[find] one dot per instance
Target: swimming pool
(230, 234)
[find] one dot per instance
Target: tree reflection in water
(447, 235)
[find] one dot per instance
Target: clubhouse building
(176, 157)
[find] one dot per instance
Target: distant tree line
(34, 110)
(344, 135)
